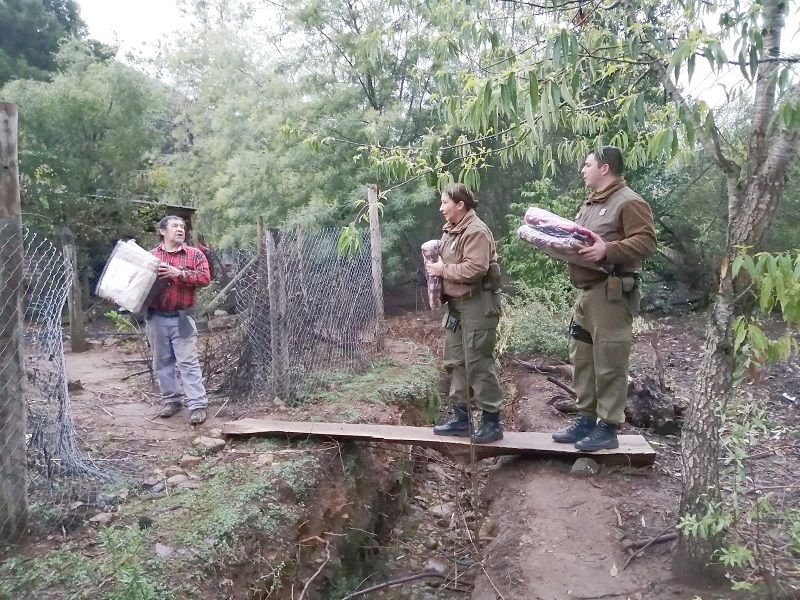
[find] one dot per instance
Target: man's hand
(166, 271)
(596, 252)
(434, 268)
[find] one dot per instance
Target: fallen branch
(211, 306)
(540, 367)
(659, 539)
(562, 385)
(134, 374)
(658, 363)
(322, 566)
(643, 545)
(405, 579)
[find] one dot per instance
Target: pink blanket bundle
(430, 254)
(558, 237)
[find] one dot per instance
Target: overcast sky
(137, 25)
(133, 25)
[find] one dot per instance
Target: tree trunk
(377, 266)
(750, 213)
(77, 331)
(700, 446)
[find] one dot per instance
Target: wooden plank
(633, 449)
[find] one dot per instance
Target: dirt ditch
(269, 518)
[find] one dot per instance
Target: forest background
(287, 110)
(260, 110)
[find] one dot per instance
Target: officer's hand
(434, 268)
(166, 271)
(596, 252)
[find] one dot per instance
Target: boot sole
(595, 449)
(495, 439)
(452, 433)
(573, 441)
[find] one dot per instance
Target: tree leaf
(533, 90)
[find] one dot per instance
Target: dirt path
(558, 537)
(113, 410)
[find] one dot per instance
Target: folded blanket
(559, 238)
(430, 254)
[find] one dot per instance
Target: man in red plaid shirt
(171, 328)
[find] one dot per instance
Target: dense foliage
(288, 111)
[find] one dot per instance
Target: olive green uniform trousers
(478, 331)
(600, 369)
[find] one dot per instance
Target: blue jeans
(173, 353)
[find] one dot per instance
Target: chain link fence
(59, 475)
(305, 311)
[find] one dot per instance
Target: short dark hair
(162, 224)
(611, 156)
(458, 192)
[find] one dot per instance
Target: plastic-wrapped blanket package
(430, 254)
(559, 238)
(129, 277)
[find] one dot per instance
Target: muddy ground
(536, 532)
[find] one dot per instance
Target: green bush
(536, 320)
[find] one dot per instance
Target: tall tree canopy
(86, 138)
(30, 32)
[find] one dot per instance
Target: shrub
(536, 320)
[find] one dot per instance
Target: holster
(491, 290)
(579, 333)
(629, 282)
(452, 322)
(492, 280)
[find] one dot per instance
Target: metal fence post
(13, 460)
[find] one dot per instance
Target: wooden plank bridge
(633, 449)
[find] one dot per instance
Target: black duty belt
(171, 313)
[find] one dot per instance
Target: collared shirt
(180, 294)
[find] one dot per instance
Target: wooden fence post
(260, 235)
(277, 316)
(77, 332)
(13, 465)
(377, 265)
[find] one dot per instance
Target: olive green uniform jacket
(473, 297)
(600, 368)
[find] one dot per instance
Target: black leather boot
(580, 428)
(491, 429)
(458, 425)
(604, 437)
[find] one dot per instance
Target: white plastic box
(129, 276)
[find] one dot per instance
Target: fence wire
(305, 312)
(59, 474)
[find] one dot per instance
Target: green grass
(241, 523)
(119, 571)
(385, 382)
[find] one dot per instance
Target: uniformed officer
(624, 233)
(471, 287)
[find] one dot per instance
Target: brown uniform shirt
(625, 222)
(468, 249)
